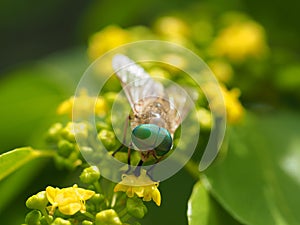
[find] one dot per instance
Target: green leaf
(13, 160)
(204, 210)
(259, 180)
(30, 95)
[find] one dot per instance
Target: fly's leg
(152, 167)
(137, 171)
(124, 137)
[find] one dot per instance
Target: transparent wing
(181, 101)
(136, 83)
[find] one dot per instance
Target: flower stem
(125, 217)
(89, 215)
(98, 187)
(47, 217)
(122, 212)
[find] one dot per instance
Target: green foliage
(258, 180)
(13, 160)
(204, 210)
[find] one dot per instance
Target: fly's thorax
(155, 110)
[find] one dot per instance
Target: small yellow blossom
(240, 40)
(142, 186)
(68, 200)
(172, 27)
(221, 69)
(85, 106)
(234, 109)
(107, 39)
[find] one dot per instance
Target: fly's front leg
(153, 153)
(124, 137)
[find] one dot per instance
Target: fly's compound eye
(152, 137)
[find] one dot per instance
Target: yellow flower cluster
(85, 106)
(107, 39)
(240, 40)
(142, 186)
(234, 109)
(68, 200)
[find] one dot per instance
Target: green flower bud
(108, 217)
(101, 126)
(65, 148)
(54, 132)
(86, 222)
(60, 221)
(110, 98)
(33, 217)
(136, 207)
(90, 175)
(38, 201)
(136, 223)
(97, 199)
(107, 138)
(205, 119)
(72, 129)
(44, 221)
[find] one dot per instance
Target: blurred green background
(43, 54)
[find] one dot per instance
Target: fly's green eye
(150, 136)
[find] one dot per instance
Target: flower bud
(101, 126)
(38, 201)
(54, 132)
(60, 221)
(86, 222)
(97, 199)
(108, 217)
(90, 175)
(107, 138)
(204, 118)
(72, 129)
(33, 217)
(110, 97)
(65, 148)
(136, 207)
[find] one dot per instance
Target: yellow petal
(120, 187)
(156, 196)
(70, 209)
(51, 193)
(84, 194)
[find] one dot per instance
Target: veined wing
(181, 101)
(136, 83)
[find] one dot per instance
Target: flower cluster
(68, 200)
(142, 186)
(87, 206)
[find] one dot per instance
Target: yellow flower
(240, 40)
(68, 200)
(142, 186)
(221, 69)
(172, 27)
(107, 39)
(85, 105)
(234, 109)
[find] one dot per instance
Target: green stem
(122, 212)
(47, 217)
(89, 215)
(126, 217)
(98, 187)
(46, 153)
